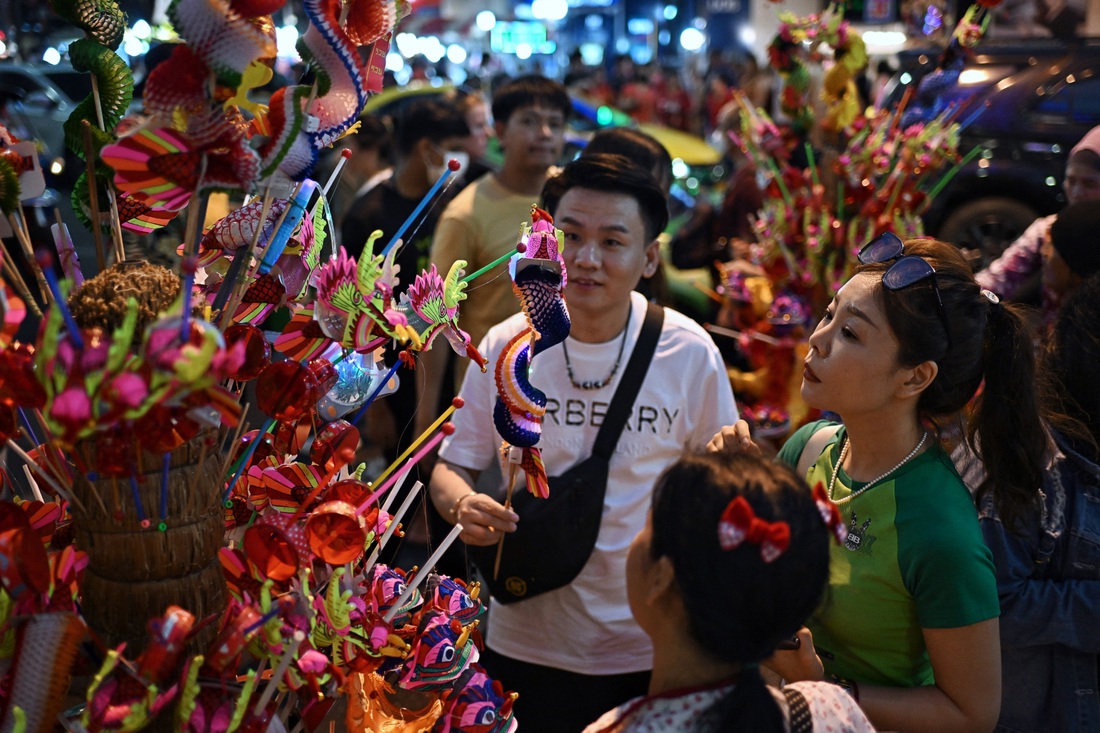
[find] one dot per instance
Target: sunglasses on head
(907, 270)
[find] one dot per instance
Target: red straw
(446, 430)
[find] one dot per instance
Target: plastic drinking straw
(46, 475)
(412, 462)
(452, 166)
(137, 499)
(456, 403)
(247, 455)
(45, 265)
(165, 465)
(280, 670)
(397, 489)
(521, 248)
(345, 154)
(423, 573)
(394, 521)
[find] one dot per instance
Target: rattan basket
(135, 573)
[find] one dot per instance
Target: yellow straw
(423, 436)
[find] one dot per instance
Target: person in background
(674, 104)
(370, 162)
(574, 652)
(1011, 274)
(577, 71)
(482, 222)
(910, 625)
(1070, 253)
(715, 606)
(426, 137)
(476, 111)
(1048, 558)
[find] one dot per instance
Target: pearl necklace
(854, 494)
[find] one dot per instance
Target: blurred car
(35, 101)
(1027, 104)
(699, 162)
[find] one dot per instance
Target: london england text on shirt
(643, 418)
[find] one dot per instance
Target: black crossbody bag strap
(631, 383)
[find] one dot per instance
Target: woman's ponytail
(1006, 427)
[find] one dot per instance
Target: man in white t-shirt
(574, 652)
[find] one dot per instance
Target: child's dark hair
(740, 607)
(611, 174)
(433, 119)
(988, 341)
(375, 133)
(530, 91)
(1072, 368)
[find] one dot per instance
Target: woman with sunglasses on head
(732, 559)
(910, 623)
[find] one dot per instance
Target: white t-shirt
(586, 627)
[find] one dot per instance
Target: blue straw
(27, 425)
(45, 263)
(447, 173)
(137, 498)
(247, 456)
(164, 485)
(359, 415)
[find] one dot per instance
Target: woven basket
(135, 573)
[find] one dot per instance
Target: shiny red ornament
(257, 350)
(18, 385)
(271, 551)
(113, 455)
(9, 425)
(336, 534)
(325, 374)
(287, 390)
(28, 567)
(352, 491)
(335, 446)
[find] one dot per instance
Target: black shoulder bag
(555, 536)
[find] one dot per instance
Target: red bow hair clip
(740, 523)
(829, 513)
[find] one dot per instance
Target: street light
(485, 20)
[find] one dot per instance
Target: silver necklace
(854, 494)
(589, 385)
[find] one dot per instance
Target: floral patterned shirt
(1006, 275)
(833, 710)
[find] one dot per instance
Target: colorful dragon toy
(355, 301)
(478, 704)
(539, 279)
(430, 307)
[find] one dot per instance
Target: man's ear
(917, 379)
(423, 147)
(498, 130)
(652, 258)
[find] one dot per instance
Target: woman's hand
(483, 519)
(798, 664)
(733, 439)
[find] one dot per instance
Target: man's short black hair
(640, 147)
(610, 173)
(530, 91)
(434, 119)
